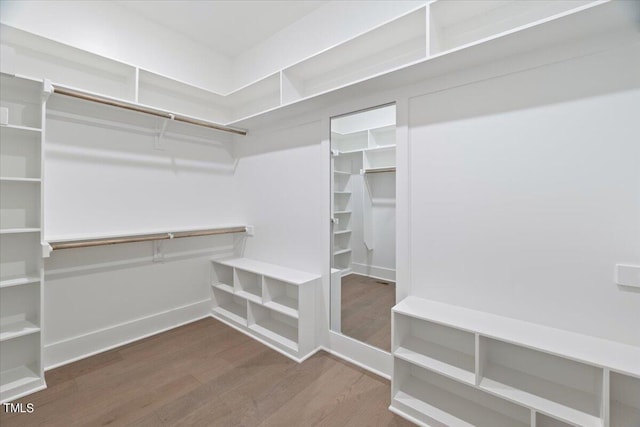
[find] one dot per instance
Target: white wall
(326, 26)
(104, 176)
(525, 194)
(109, 29)
(280, 184)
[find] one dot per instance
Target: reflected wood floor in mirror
(207, 374)
(366, 309)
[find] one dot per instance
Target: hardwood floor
(207, 374)
(366, 310)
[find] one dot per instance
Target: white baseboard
(375, 272)
(79, 347)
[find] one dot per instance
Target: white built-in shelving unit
(434, 39)
(270, 303)
(460, 367)
(21, 273)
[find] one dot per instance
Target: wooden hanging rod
(146, 110)
(72, 244)
(380, 170)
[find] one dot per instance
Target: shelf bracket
(159, 137)
(47, 89)
(46, 249)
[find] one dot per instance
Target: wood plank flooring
(366, 310)
(207, 374)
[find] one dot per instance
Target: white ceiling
(228, 27)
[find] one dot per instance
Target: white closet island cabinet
(273, 304)
(21, 274)
(460, 367)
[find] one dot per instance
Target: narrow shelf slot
(281, 296)
(276, 327)
(445, 350)
(625, 400)
(248, 285)
(568, 390)
(435, 399)
(229, 306)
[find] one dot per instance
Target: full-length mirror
(363, 187)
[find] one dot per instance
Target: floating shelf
(342, 232)
(341, 172)
(342, 212)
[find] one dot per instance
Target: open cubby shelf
(560, 377)
(270, 303)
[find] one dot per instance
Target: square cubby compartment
(19, 205)
(248, 285)
(446, 350)
(19, 311)
(281, 296)
(439, 401)
(19, 362)
(567, 390)
(222, 276)
(229, 306)
(22, 99)
(19, 256)
(625, 400)
(341, 200)
(278, 328)
(19, 153)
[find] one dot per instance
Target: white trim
(79, 347)
(374, 272)
(361, 354)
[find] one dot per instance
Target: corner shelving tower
(21, 266)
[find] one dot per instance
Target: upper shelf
(432, 40)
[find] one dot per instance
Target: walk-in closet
(320, 213)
